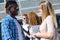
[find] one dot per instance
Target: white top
(48, 26)
(34, 29)
(25, 26)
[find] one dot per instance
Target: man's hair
(10, 3)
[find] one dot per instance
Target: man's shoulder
(6, 19)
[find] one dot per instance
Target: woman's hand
(30, 36)
(34, 35)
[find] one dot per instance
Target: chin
(16, 14)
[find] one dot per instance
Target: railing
(1, 6)
(37, 6)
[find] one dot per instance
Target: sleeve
(5, 31)
(50, 25)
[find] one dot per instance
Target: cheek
(16, 12)
(40, 11)
(12, 10)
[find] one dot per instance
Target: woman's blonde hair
(47, 9)
(33, 18)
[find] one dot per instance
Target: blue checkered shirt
(9, 29)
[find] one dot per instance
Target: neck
(13, 16)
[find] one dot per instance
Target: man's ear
(7, 10)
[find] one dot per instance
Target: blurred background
(26, 6)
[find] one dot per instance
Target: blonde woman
(34, 24)
(49, 24)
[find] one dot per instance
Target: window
(1, 1)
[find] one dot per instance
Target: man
(10, 28)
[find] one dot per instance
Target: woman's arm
(43, 35)
(29, 36)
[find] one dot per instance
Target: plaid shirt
(9, 29)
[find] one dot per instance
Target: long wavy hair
(47, 9)
(33, 18)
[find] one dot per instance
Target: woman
(34, 24)
(26, 26)
(49, 24)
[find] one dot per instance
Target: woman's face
(25, 19)
(40, 10)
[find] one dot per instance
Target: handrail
(2, 11)
(37, 6)
(1, 3)
(34, 7)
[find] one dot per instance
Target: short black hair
(10, 3)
